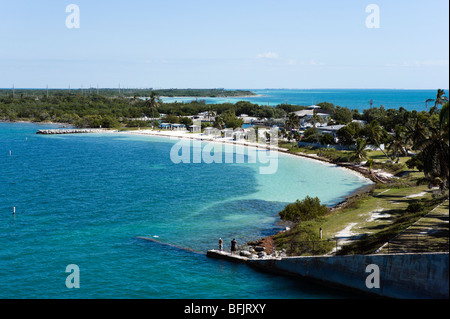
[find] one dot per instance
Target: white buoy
(14, 210)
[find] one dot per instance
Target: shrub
(304, 210)
(415, 207)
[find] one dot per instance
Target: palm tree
(443, 117)
(415, 132)
(219, 122)
(210, 112)
(153, 103)
(397, 145)
(293, 122)
(360, 152)
(435, 154)
(441, 99)
(376, 133)
(314, 119)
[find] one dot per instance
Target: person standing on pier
(220, 244)
(233, 246)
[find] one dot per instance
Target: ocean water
(84, 200)
(351, 98)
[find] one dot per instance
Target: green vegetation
(307, 209)
(395, 209)
(389, 209)
(122, 92)
(95, 110)
(401, 220)
(416, 150)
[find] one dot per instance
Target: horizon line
(211, 88)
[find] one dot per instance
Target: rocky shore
(72, 131)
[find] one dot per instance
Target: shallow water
(84, 200)
(352, 98)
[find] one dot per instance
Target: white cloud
(268, 55)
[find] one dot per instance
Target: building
(178, 127)
(332, 129)
(211, 131)
(172, 127)
(228, 132)
(195, 128)
(306, 115)
(165, 126)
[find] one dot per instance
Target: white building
(195, 128)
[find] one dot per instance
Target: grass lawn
(430, 233)
(372, 213)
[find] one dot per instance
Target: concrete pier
(401, 276)
(217, 254)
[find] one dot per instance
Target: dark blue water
(84, 200)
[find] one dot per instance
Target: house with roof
(211, 131)
(332, 129)
(165, 126)
(306, 115)
(195, 128)
(178, 127)
(227, 133)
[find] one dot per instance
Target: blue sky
(240, 44)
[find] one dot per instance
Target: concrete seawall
(402, 276)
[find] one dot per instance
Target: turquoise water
(351, 98)
(83, 199)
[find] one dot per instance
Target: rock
(262, 254)
(259, 248)
(245, 253)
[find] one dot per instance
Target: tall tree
(397, 145)
(153, 103)
(375, 132)
(415, 132)
(219, 122)
(292, 122)
(314, 120)
(441, 99)
(360, 152)
(443, 117)
(435, 155)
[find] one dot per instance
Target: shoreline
(210, 97)
(267, 241)
(364, 189)
(356, 170)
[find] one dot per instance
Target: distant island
(127, 92)
(203, 93)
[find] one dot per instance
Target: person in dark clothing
(233, 246)
(220, 244)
